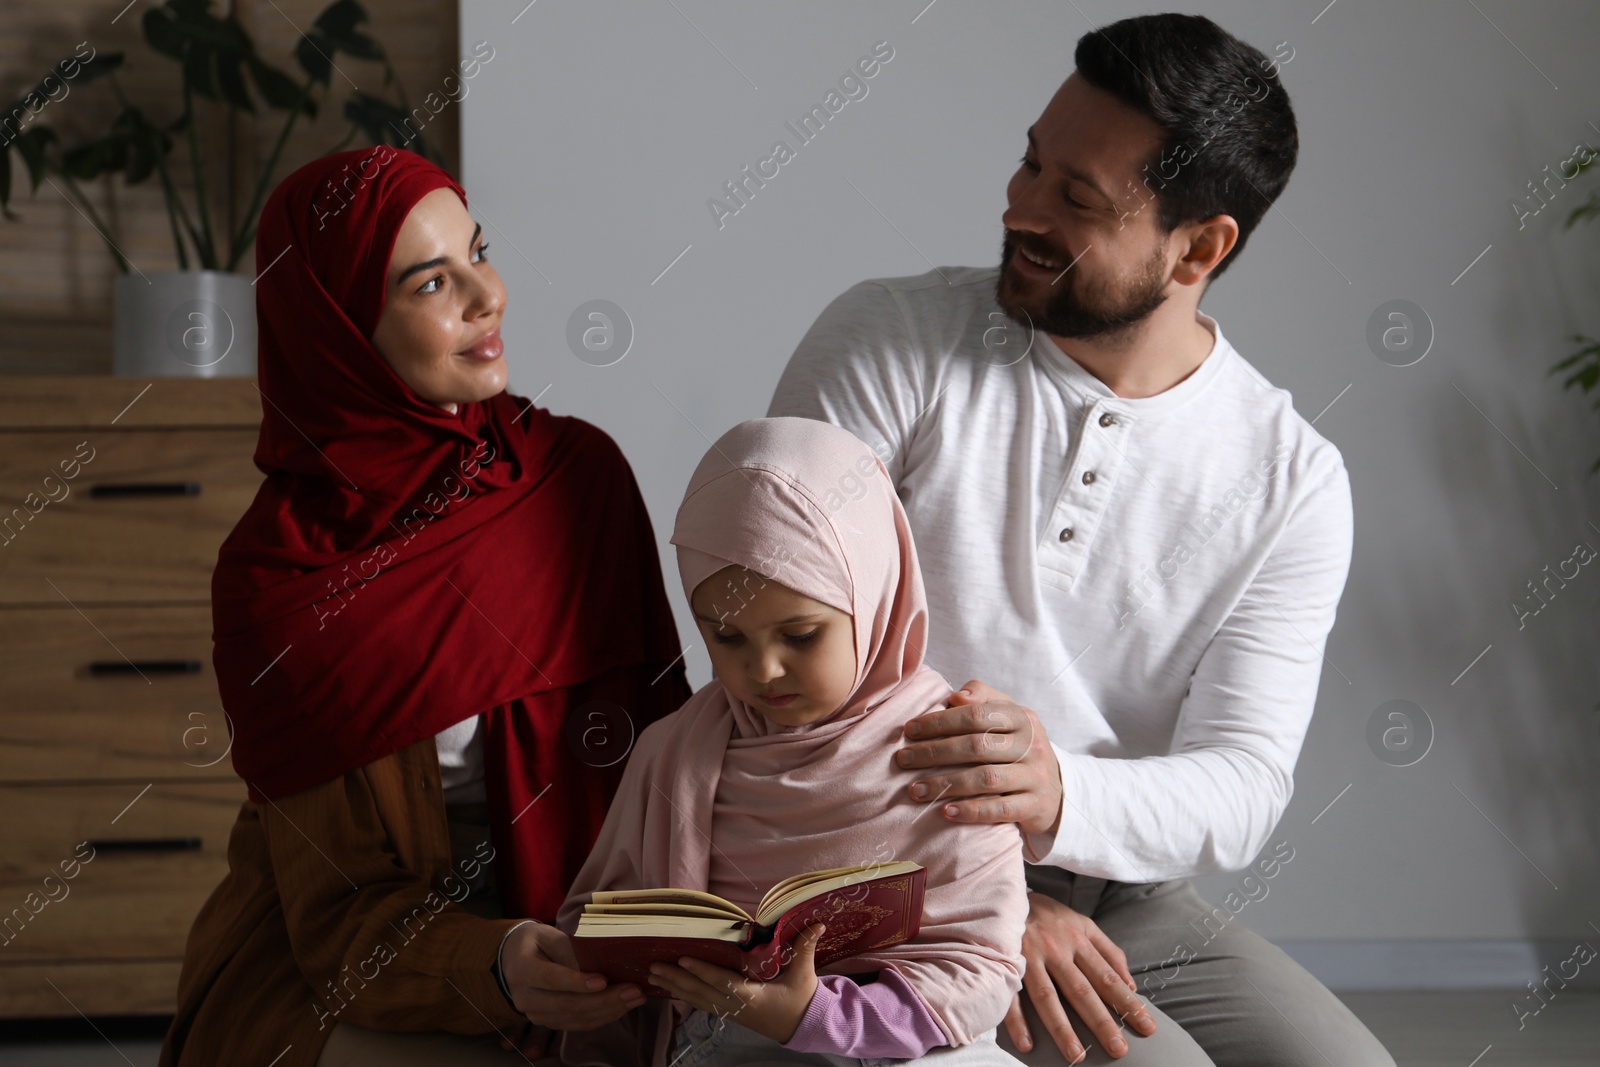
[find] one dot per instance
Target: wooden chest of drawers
(116, 791)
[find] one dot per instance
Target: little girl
(798, 563)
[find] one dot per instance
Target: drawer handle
(102, 667)
(145, 489)
(146, 844)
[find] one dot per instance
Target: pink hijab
(718, 796)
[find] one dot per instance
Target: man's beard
(1066, 311)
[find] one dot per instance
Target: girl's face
(443, 302)
(790, 657)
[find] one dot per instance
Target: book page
(790, 892)
(683, 926)
(669, 897)
(661, 909)
(805, 878)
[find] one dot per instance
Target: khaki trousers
(1220, 994)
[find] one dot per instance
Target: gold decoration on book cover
(848, 923)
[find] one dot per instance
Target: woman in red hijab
(437, 629)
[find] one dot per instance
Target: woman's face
(788, 656)
(443, 302)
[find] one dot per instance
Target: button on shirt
(1155, 577)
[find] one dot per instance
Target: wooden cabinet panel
(140, 520)
(75, 708)
(48, 990)
(116, 790)
(106, 872)
(56, 401)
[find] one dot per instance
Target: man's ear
(1209, 244)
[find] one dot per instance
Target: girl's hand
(548, 988)
(772, 1009)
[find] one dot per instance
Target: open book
(868, 907)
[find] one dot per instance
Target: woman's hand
(772, 1009)
(1067, 953)
(547, 987)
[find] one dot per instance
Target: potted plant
(1583, 366)
(198, 320)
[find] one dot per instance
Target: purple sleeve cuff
(885, 1018)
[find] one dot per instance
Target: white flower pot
(185, 324)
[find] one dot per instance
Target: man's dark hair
(1210, 93)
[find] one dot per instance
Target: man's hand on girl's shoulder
(1007, 770)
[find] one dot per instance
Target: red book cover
(867, 914)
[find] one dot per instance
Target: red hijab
(403, 568)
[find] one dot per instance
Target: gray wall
(596, 134)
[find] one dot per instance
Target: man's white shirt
(1155, 577)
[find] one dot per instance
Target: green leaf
(1588, 377)
(13, 119)
(97, 66)
(1564, 364)
(161, 33)
(359, 45)
(335, 31)
(141, 161)
(381, 121)
(340, 17)
(1590, 351)
(82, 162)
(236, 39)
(276, 88)
(313, 54)
(88, 161)
(145, 144)
(197, 71)
(1587, 210)
(230, 79)
(32, 145)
